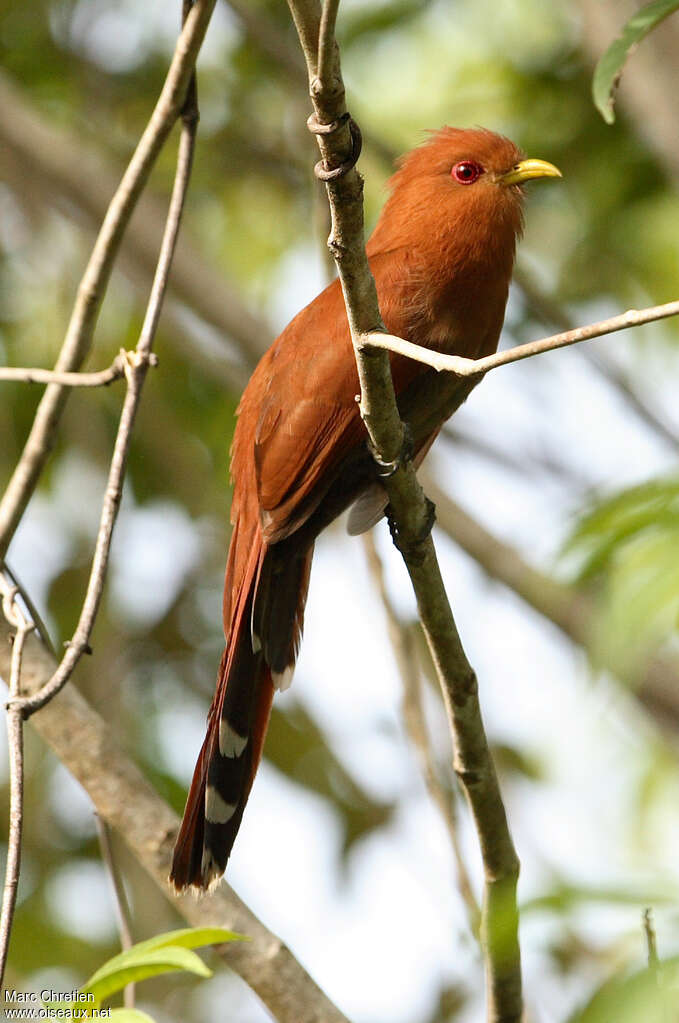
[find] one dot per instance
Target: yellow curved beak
(528, 169)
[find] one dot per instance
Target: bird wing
(299, 415)
(298, 418)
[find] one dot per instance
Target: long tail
(264, 612)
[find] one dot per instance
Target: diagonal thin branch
(473, 762)
(551, 311)
(135, 366)
(473, 367)
(92, 287)
(101, 378)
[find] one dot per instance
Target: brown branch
(102, 378)
(411, 515)
(402, 643)
(92, 287)
(135, 367)
(15, 618)
(472, 367)
(84, 743)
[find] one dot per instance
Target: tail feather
(239, 716)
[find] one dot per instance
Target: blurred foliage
(651, 995)
(164, 953)
(627, 547)
(609, 68)
(608, 239)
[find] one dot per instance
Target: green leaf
(649, 995)
(132, 966)
(627, 549)
(163, 953)
(130, 1016)
(187, 937)
(610, 66)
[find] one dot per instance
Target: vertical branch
(15, 741)
(411, 516)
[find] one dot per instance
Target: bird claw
(385, 470)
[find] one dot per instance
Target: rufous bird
(441, 254)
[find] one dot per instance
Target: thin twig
(15, 740)
(136, 366)
(472, 367)
(411, 515)
(413, 714)
(123, 915)
(102, 378)
(651, 943)
(551, 311)
(326, 39)
(9, 579)
(92, 288)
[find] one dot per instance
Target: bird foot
(385, 470)
(411, 549)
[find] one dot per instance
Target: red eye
(467, 172)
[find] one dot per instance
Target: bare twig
(120, 899)
(551, 311)
(84, 743)
(651, 943)
(93, 285)
(326, 40)
(473, 367)
(413, 713)
(102, 378)
(473, 763)
(136, 366)
(15, 739)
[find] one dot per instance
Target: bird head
(460, 182)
